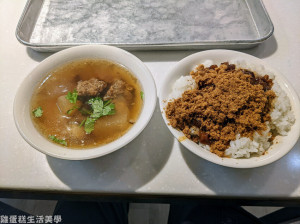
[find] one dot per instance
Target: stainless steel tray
(52, 25)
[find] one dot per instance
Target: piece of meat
(117, 88)
(91, 87)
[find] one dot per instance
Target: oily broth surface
(63, 80)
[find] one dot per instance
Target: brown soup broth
(63, 80)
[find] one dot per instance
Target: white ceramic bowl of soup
(22, 103)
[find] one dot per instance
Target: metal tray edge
(270, 22)
(21, 21)
(230, 44)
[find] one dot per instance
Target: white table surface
(154, 163)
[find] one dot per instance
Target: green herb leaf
(99, 108)
(106, 103)
(59, 141)
(38, 112)
(73, 108)
(82, 122)
(89, 125)
(142, 95)
(109, 109)
(72, 96)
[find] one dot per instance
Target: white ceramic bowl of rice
(243, 152)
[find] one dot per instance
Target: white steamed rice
(282, 117)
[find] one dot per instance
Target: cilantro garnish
(142, 95)
(38, 112)
(89, 125)
(59, 141)
(82, 122)
(72, 96)
(73, 108)
(108, 108)
(99, 108)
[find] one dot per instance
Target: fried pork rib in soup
(86, 103)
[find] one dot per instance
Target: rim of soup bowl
(21, 110)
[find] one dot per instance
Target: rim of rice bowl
(281, 144)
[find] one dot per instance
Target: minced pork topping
(226, 102)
